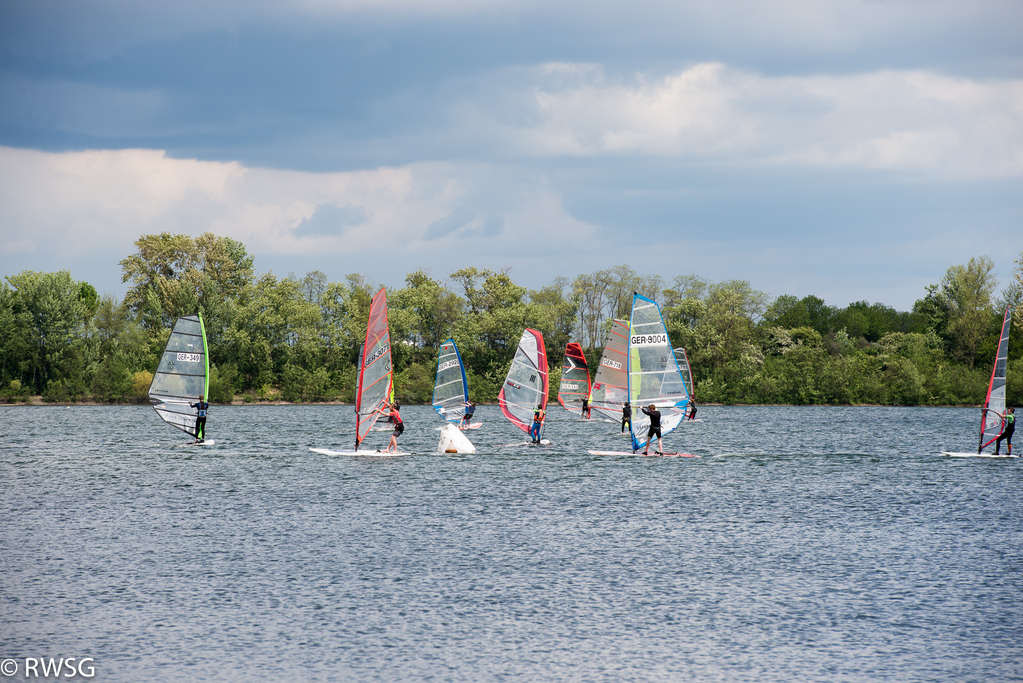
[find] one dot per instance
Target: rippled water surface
(804, 544)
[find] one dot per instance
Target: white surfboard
(207, 442)
(366, 453)
(645, 455)
(977, 455)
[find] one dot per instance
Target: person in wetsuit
(201, 408)
(534, 430)
(586, 407)
(470, 408)
(655, 429)
(692, 412)
(626, 416)
(1006, 435)
(399, 426)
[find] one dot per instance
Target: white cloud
(914, 121)
(71, 205)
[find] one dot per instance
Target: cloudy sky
(848, 149)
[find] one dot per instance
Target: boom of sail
(450, 390)
(182, 375)
(375, 376)
(575, 379)
(526, 386)
(992, 422)
(611, 384)
(654, 374)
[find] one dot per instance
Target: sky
(846, 149)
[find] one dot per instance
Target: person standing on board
(626, 416)
(534, 431)
(655, 429)
(470, 408)
(1010, 427)
(201, 408)
(586, 407)
(692, 413)
(399, 426)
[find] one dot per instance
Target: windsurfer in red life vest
(399, 426)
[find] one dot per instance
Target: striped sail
(575, 379)
(182, 375)
(450, 390)
(374, 388)
(526, 385)
(993, 418)
(610, 385)
(654, 375)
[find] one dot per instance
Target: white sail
(526, 386)
(182, 375)
(450, 390)
(610, 388)
(992, 422)
(654, 375)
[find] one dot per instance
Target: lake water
(805, 544)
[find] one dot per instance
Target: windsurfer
(655, 429)
(586, 407)
(201, 408)
(399, 426)
(692, 411)
(534, 430)
(1006, 435)
(626, 416)
(470, 408)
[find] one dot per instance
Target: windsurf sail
(687, 374)
(992, 422)
(183, 374)
(610, 385)
(375, 379)
(575, 379)
(654, 375)
(526, 385)
(450, 390)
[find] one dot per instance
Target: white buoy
(452, 440)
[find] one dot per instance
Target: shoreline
(38, 402)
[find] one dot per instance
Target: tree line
(297, 338)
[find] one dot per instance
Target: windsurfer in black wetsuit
(201, 408)
(626, 416)
(655, 429)
(692, 409)
(586, 407)
(1006, 435)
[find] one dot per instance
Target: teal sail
(182, 375)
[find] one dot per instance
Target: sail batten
(992, 421)
(526, 385)
(654, 376)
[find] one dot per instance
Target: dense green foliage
(297, 339)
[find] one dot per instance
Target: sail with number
(992, 422)
(183, 374)
(450, 390)
(654, 375)
(375, 380)
(575, 379)
(526, 385)
(611, 384)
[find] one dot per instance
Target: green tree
(968, 290)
